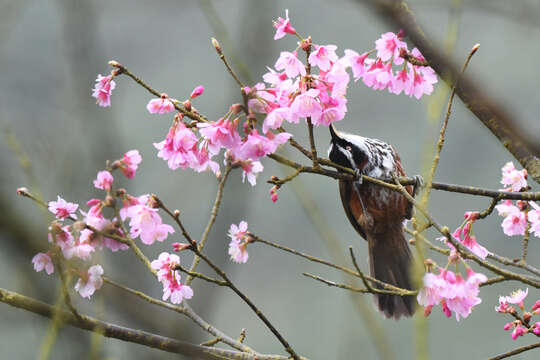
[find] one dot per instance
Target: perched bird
(377, 213)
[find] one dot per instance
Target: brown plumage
(377, 214)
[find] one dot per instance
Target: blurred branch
(127, 334)
(490, 112)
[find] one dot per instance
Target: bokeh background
(55, 139)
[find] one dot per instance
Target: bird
(377, 213)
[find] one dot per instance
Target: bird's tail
(390, 262)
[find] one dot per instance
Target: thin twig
(211, 220)
(516, 351)
(442, 133)
(201, 276)
(123, 70)
(187, 311)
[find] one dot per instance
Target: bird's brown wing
(348, 197)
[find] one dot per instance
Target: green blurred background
(55, 138)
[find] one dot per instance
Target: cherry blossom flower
(515, 222)
(239, 241)
(165, 265)
(89, 282)
(103, 89)
(63, 209)
(517, 297)
(289, 62)
(516, 179)
(283, 26)
(197, 92)
(323, 56)
(220, 134)
(534, 218)
(238, 252)
(503, 305)
(178, 147)
(162, 105)
(104, 180)
(43, 261)
(464, 236)
(130, 162)
(250, 170)
(421, 83)
(388, 47)
(536, 328)
(306, 104)
(356, 62)
(129, 201)
(146, 223)
(61, 236)
(274, 78)
(275, 118)
(257, 146)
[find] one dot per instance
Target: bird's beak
(334, 133)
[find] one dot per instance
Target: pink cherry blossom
(61, 236)
(130, 162)
(289, 62)
(337, 79)
(534, 218)
(63, 209)
(356, 62)
(162, 105)
(104, 180)
(536, 328)
(250, 170)
(89, 282)
(178, 147)
(464, 236)
(238, 232)
(129, 201)
(170, 278)
(103, 89)
(238, 252)
(43, 261)
(275, 118)
(220, 134)
(421, 83)
(503, 305)
(165, 264)
(517, 297)
(506, 207)
(201, 160)
(323, 56)
(197, 92)
(516, 179)
(146, 223)
(400, 81)
(388, 47)
(515, 223)
(274, 78)
(283, 26)
(257, 146)
(306, 104)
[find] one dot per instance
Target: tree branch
(127, 334)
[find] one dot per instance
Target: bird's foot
(360, 178)
(418, 183)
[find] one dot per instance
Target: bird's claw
(358, 175)
(418, 183)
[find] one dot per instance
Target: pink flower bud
(508, 326)
(22, 191)
(197, 92)
(177, 247)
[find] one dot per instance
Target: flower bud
(216, 45)
(197, 92)
(177, 247)
(22, 191)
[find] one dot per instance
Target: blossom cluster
(451, 291)
(96, 231)
(165, 266)
(518, 215)
(315, 90)
(523, 324)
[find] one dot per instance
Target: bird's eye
(348, 148)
